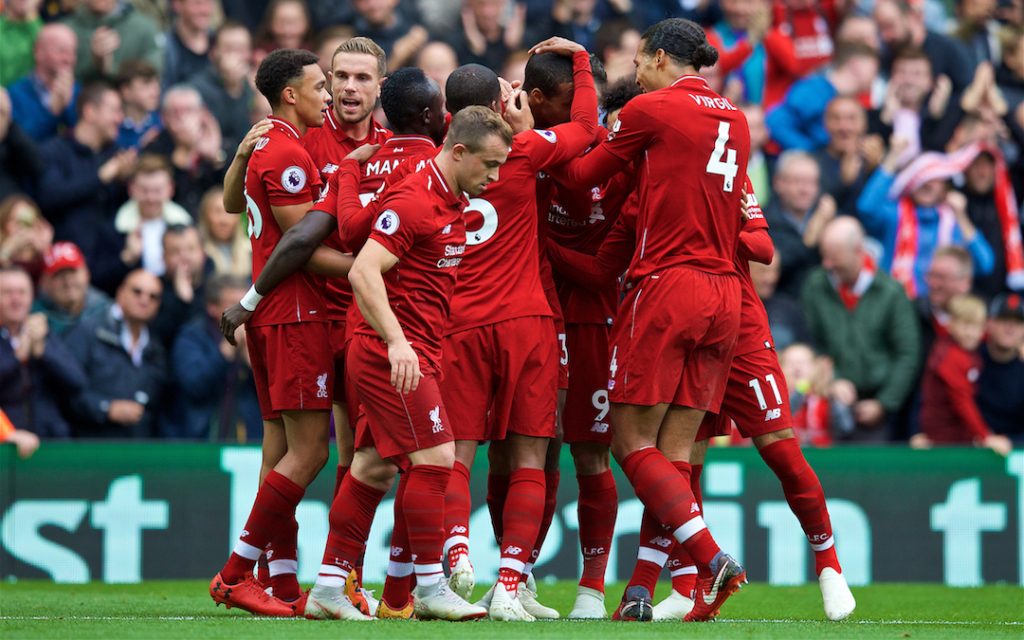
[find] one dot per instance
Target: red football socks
(283, 565)
(805, 497)
(597, 509)
(350, 518)
(665, 490)
(339, 475)
(399, 582)
(272, 512)
(423, 506)
(655, 543)
(524, 508)
(497, 492)
(457, 506)
(551, 480)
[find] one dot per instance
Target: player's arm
(755, 243)
(597, 271)
(354, 221)
(234, 179)
(367, 278)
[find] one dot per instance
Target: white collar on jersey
(689, 77)
(287, 126)
(440, 177)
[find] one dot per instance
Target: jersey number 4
(727, 168)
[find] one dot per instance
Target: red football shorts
(338, 343)
(673, 340)
(586, 414)
(502, 378)
(756, 398)
(397, 423)
(290, 366)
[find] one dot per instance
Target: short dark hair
(227, 25)
(279, 69)
(133, 70)
(609, 35)
(472, 125)
(597, 70)
(911, 53)
(92, 95)
(469, 85)
(216, 285)
(683, 40)
(846, 51)
(620, 93)
(404, 96)
(547, 72)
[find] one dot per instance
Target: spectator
(19, 26)
(820, 414)
(948, 276)
(248, 12)
(739, 37)
(83, 180)
(799, 121)
(992, 208)
(125, 368)
(150, 210)
(757, 164)
(186, 270)
(43, 102)
(785, 317)
(515, 67)
(396, 34)
(24, 441)
(65, 295)
(483, 39)
(111, 32)
(949, 411)
(850, 156)
(577, 20)
(807, 26)
(286, 25)
(796, 216)
(224, 86)
(327, 42)
(191, 140)
(25, 236)
(188, 40)
(139, 86)
(914, 213)
(1010, 74)
(978, 30)
(224, 240)
(917, 105)
(20, 163)
(1001, 384)
(616, 43)
(438, 60)
(217, 393)
(36, 369)
(862, 320)
(901, 24)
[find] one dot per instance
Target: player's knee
(589, 459)
(373, 471)
(766, 439)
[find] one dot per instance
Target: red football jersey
(280, 173)
(691, 148)
(421, 223)
(395, 151)
(328, 145)
(755, 333)
(500, 278)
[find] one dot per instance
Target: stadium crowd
(886, 152)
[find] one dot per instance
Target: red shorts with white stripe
(396, 423)
(756, 398)
(290, 366)
(674, 338)
(586, 414)
(502, 378)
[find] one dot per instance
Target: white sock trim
(684, 571)
(332, 570)
(330, 582)
(828, 544)
(513, 564)
(689, 529)
(425, 569)
(528, 568)
(648, 554)
(278, 567)
(454, 540)
(247, 551)
(399, 569)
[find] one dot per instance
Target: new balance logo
(772, 414)
(694, 508)
(662, 542)
(396, 551)
(245, 532)
(321, 383)
(599, 427)
(458, 529)
(512, 550)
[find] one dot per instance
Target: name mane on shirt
(713, 103)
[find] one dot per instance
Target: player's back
(281, 173)
(696, 144)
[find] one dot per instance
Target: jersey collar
(439, 185)
(410, 139)
(686, 77)
(285, 126)
(341, 136)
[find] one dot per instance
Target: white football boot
(674, 607)
(589, 605)
(506, 606)
(528, 596)
(326, 603)
(439, 602)
(462, 579)
(835, 595)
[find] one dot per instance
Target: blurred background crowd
(887, 142)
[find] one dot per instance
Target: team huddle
(515, 274)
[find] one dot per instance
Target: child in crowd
(821, 405)
(949, 411)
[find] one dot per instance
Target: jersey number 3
(728, 168)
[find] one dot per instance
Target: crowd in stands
(887, 152)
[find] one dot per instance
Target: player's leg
(344, 436)
(273, 448)
(457, 507)
(396, 600)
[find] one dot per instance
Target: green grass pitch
(184, 610)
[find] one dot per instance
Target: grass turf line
(182, 609)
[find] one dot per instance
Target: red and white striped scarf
(905, 252)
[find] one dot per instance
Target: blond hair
(364, 46)
(967, 308)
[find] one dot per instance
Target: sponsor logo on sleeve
(293, 179)
(387, 222)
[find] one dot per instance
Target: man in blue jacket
(44, 100)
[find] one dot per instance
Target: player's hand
(235, 316)
(998, 443)
(561, 46)
(920, 441)
(103, 44)
(248, 143)
(515, 27)
(405, 367)
(517, 112)
(363, 153)
(125, 412)
(843, 392)
(869, 413)
(25, 442)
